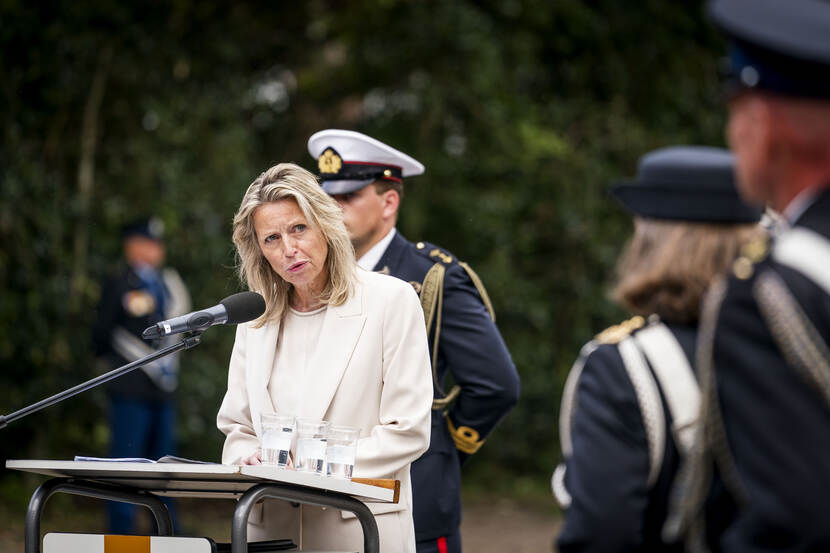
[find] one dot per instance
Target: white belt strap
(179, 301)
(677, 380)
(566, 410)
(648, 398)
(651, 407)
(557, 484)
(569, 398)
(807, 252)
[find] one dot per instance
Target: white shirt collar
(799, 204)
(371, 258)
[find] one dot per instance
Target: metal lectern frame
(239, 525)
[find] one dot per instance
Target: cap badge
(329, 162)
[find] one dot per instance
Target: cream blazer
(371, 370)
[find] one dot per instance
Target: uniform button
(420, 245)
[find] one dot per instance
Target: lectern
(143, 484)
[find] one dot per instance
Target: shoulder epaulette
(434, 252)
(752, 252)
(615, 334)
(440, 256)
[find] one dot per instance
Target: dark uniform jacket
(612, 506)
(774, 416)
(126, 308)
(473, 352)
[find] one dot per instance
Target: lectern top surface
(196, 480)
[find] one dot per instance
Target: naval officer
(366, 177)
(764, 359)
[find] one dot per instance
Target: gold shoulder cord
(431, 289)
(480, 287)
(466, 439)
(432, 301)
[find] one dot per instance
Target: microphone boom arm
(188, 342)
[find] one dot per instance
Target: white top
(371, 258)
(298, 337)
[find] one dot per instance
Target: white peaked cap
(348, 160)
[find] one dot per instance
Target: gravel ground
(507, 526)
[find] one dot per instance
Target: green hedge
(522, 111)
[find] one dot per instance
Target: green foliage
(522, 111)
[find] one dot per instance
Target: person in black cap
(142, 410)
(631, 400)
(365, 176)
(764, 359)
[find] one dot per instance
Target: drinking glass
(311, 445)
(341, 450)
(277, 434)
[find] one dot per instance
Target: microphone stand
(189, 341)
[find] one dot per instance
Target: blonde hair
(287, 181)
(667, 265)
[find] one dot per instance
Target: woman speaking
(335, 343)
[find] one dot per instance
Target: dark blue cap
(147, 227)
(781, 46)
(686, 183)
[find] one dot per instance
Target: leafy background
(523, 111)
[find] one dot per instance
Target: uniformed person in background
(631, 401)
(764, 359)
(142, 410)
(366, 177)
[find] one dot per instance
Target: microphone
(235, 309)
